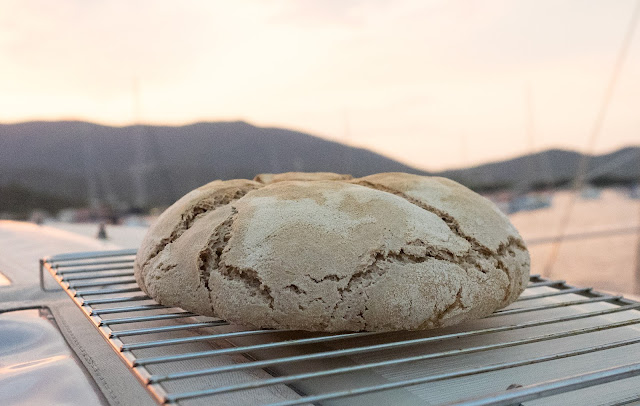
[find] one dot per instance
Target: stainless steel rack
(557, 344)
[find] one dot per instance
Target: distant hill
(20, 202)
(553, 167)
(73, 159)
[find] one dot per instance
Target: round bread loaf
(325, 252)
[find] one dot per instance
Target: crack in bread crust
(190, 216)
(210, 259)
(349, 300)
(251, 279)
(371, 273)
(457, 304)
(454, 226)
(477, 259)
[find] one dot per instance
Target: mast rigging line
(583, 163)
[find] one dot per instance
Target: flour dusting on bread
(326, 252)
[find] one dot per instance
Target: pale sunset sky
(436, 84)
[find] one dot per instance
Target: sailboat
(527, 199)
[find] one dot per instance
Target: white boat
(529, 202)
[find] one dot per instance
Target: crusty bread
(325, 252)
(281, 177)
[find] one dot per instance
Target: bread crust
(325, 252)
(267, 178)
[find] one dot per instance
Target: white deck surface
(21, 245)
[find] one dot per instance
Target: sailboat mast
(138, 168)
(637, 264)
(347, 138)
(530, 130)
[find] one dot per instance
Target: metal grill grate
(556, 339)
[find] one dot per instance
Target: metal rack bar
(376, 347)
(172, 341)
(500, 399)
(373, 365)
(249, 348)
(92, 263)
(164, 329)
(95, 268)
(82, 293)
(550, 294)
(92, 302)
(99, 276)
(140, 319)
(554, 305)
(87, 270)
(75, 256)
(127, 309)
(557, 386)
(151, 344)
(94, 284)
(545, 283)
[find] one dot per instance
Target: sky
(436, 84)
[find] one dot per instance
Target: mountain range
(549, 169)
(155, 165)
(71, 159)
